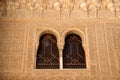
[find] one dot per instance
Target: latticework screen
(73, 53)
(47, 54)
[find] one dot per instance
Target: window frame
(81, 32)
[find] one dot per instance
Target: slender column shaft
(61, 58)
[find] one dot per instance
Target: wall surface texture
(21, 28)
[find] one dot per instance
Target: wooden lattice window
(73, 53)
(47, 54)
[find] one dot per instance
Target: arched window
(47, 54)
(73, 53)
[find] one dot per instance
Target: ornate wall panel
(113, 48)
(93, 55)
(12, 47)
(102, 52)
(116, 39)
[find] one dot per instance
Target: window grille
(73, 53)
(47, 54)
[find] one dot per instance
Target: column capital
(60, 46)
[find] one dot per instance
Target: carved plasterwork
(89, 6)
(3, 8)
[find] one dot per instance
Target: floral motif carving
(90, 6)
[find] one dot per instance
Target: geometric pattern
(47, 54)
(73, 53)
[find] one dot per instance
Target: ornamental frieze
(8, 7)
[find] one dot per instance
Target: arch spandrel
(73, 31)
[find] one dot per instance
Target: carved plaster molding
(88, 6)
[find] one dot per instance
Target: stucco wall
(19, 41)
